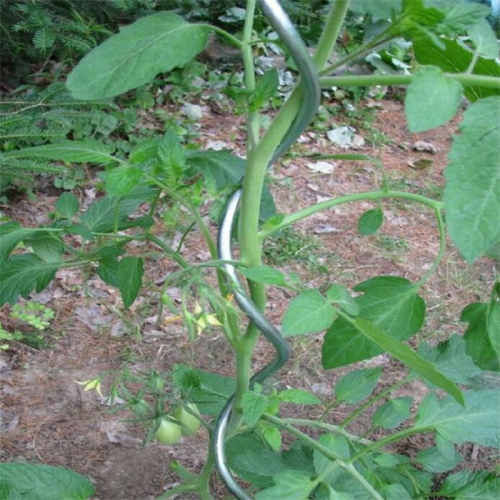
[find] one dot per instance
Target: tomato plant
(243, 416)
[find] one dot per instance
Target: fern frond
(17, 167)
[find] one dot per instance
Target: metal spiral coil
(281, 23)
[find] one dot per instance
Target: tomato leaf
(472, 191)
(357, 385)
(309, 312)
(253, 406)
(389, 302)
(482, 336)
(432, 99)
(43, 482)
(407, 356)
(476, 421)
(370, 222)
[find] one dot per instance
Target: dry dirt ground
(46, 417)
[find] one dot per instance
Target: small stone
(321, 167)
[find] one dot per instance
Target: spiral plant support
(281, 23)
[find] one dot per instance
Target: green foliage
(472, 191)
(370, 222)
(427, 109)
(42, 482)
(376, 317)
(389, 303)
(36, 117)
(105, 72)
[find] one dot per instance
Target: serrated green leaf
(171, 156)
(299, 397)
(370, 222)
(264, 274)
(272, 435)
(87, 151)
(338, 294)
(48, 246)
(432, 460)
(454, 57)
(467, 485)
(445, 447)
(481, 338)
(338, 445)
(411, 359)
(389, 302)
(474, 422)
(451, 359)
(43, 482)
(122, 180)
(308, 313)
(382, 9)
(209, 391)
(22, 274)
(252, 461)
(396, 492)
(265, 88)
(67, 205)
(472, 191)
(220, 167)
(292, 485)
(393, 413)
(100, 216)
(253, 406)
(11, 234)
(108, 271)
(484, 39)
(80, 230)
(432, 99)
(357, 385)
(462, 15)
(152, 45)
(130, 271)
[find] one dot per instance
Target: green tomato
(168, 432)
(190, 424)
(141, 408)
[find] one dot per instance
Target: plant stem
(253, 121)
(336, 429)
(370, 195)
(362, 481)
(182, 488)
(278, 422)
(373, 400)
(331, 32)
(204, 477)
(224, 34)
(171, 253)
(331, 455)
(388, 440)
(465, 79)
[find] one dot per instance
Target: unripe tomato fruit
(190, 424)
(141, 408)
(168, 432)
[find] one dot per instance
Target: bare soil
(46, 417)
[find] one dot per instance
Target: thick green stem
(491, 82)
(371, 195)
(253, 122)
(204, 477)
(330, 34)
